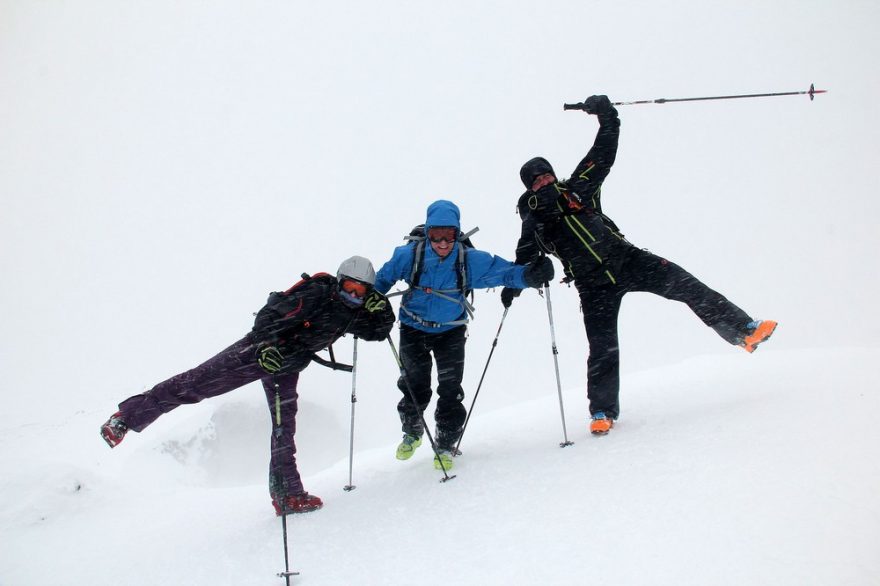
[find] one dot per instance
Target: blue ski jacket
(425, 310)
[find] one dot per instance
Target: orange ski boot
(600, 424)
(760, 332)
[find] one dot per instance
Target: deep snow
(724, 469)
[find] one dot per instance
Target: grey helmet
(357, 268)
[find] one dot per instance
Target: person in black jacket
(565, 219)
(287, 333)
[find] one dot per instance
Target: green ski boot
(408, 446)
(443, 460)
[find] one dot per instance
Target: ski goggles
(441, 233)
(354, 288)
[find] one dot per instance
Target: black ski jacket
(310, 317)
(565, 219)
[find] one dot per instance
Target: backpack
(282, 303)
(418, 239)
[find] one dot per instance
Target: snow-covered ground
(724, 469)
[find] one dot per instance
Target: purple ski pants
(230, 369)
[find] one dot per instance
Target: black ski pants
(416, 347)
(643, 271)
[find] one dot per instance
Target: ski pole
(354, 361)
(810, 92)
(412, 397)
(480, 384)
(286, 574)
(556, 365)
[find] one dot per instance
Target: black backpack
(284, 304)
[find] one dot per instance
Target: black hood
(532, 169)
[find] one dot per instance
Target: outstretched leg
(232, 368)
(650, 273)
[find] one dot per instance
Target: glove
(386, 319)
(597, 105)
(538, 272)
(270, 359)
(508, 294)
(375, 301)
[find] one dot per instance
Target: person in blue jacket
(440, 268)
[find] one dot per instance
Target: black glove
(375, 301)
(508, 295)
(270, 358)
(538, 272)
(597, 105)
(387, 322)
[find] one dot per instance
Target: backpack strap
(418, 261)
(466, 237)
(332, 362)
(433, 324)
(419, 237)
(461, 265)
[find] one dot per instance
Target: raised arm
(588, 176)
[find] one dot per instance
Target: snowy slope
(724, 469)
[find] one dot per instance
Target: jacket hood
(534, 168)
(443, 213)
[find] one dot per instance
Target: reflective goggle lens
(441, 234)
(355, 288)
